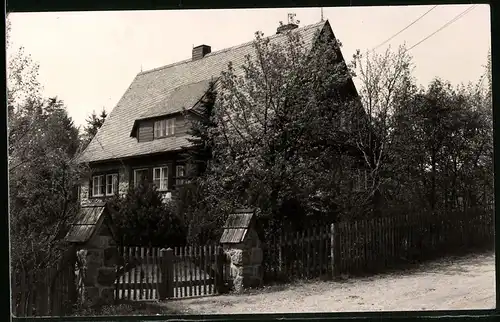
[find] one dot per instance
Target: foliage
(195, 203)
(142, 219)
(199, 153)
(272, 143)
(433, 147)
(201, 215)
(288, 135)
(42, 175)
(443, 149)
(125, 308)
(42, 171)
(94, 123)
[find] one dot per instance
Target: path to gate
(195, 272)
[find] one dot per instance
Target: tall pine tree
(94, 123)
(200, 153)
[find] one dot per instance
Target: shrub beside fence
(373, 245)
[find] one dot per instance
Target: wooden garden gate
(152, 273)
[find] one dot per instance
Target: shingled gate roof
(236, 226)
(162, 90)
(86, 223)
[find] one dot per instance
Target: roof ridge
(227, 49)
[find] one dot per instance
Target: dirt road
(454, 283)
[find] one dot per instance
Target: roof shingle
(166, 90)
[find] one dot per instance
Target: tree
(94, 123)
(42, 176)
(441, 147)
(42, 170)
(199, 212)
(273, 145)
(142, 219)
(386, 86)
(199, 153)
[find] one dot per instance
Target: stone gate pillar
(242, 246)
(93, 235)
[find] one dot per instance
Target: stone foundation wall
(101, 257)
(245, 262)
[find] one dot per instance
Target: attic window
(163, 128)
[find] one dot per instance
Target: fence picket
(147, 272)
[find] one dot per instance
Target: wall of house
(123, 180)
(145, 129)
(125, 172)
(182, 123)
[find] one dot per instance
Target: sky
(88, 59)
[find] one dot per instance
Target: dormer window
(163, 128)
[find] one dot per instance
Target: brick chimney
(201, 51)
(284, 28)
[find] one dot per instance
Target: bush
(125, 308)
(203, 218)
(142, 219)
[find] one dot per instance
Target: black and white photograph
(245, 161)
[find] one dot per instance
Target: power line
(457, 17)
(408, 26)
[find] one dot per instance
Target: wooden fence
(44, 292)
(370, 246)
(153, 273)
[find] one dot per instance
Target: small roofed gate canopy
(237, 226)
(93, 219)
(241, 245)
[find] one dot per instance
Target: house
(145, 133)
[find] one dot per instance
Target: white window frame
(135, 174)
(164, 128)
(103, 182)
(97, 183)
(182, 179)
(111, 181)
(163, 179)
(157, 128)
(170, 127)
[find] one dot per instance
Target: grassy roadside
(128, 308)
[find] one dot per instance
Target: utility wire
(457, 17)
(408, 26)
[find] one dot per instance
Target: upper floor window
(164, 128)
(104, 185)
(160, 178)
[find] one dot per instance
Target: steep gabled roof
(161, 90)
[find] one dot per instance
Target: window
(160, 178)
(104, 185)
(164, 128)
(140, 176)
(111, 184)
(180, 174)
(97, 186)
